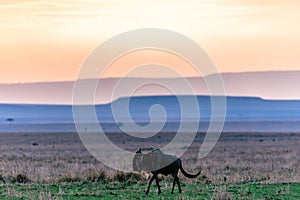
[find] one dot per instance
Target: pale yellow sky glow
(49, 40)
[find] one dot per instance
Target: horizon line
(147, 96)
(133, 77)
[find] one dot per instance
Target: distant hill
(238, 109)
(242, 114)
(267, 85)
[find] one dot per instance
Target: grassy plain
(134, 190)
(241, 166)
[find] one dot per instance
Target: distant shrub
(20, 178)
(10, 120)
(2, 179)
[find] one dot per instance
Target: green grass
(135, 190)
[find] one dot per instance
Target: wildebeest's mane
(156, 160)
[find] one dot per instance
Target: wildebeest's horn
(139, 151)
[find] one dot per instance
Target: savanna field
(243, 165)
(149, 75)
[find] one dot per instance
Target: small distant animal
(158, 162)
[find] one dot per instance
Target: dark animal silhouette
(157, 162)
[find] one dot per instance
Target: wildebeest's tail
(187, 174)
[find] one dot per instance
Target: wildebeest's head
(137, 162)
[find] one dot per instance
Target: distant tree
(10, 120)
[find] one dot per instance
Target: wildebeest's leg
(174, 174)
(177, 180)
(157, 183)
(173, 185)
(150, 182)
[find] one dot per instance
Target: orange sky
(49, 40)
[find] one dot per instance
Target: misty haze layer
(267, 85)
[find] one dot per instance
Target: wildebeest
(158, 162)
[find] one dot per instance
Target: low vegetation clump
(128, 177)
(2, 180)
(19, 178)
(97, 177)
